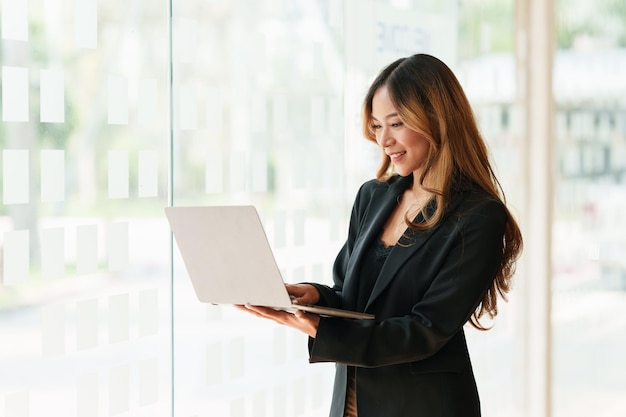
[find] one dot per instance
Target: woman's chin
(402, 172)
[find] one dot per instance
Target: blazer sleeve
(472, 257)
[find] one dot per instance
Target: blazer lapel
(401, 254)
(382, 203)
(397, 257)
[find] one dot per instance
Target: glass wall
(258, 119)
(113, 110)
(85, 284)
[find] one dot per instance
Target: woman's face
(406, 148)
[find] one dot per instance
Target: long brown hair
(430, 100)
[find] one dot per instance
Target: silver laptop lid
(227, 255)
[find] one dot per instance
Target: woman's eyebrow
(389, 116)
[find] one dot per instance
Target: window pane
(84, 301)
(261, 94)
(258, 119)
(589, 301)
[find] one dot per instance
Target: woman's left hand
(299, 320)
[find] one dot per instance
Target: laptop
(229, 259)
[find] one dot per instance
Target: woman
(431, 245)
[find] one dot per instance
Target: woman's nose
(385, 138)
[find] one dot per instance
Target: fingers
(299, 320)
(303, 293)
(279, 316)
(248, 310)
(269, 313)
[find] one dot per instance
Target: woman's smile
(396, 156)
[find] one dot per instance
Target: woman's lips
(396, 155)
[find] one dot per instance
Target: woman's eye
(375, 127)
(396, 124)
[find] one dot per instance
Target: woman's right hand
(303, 293)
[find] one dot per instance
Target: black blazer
(412, 360)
